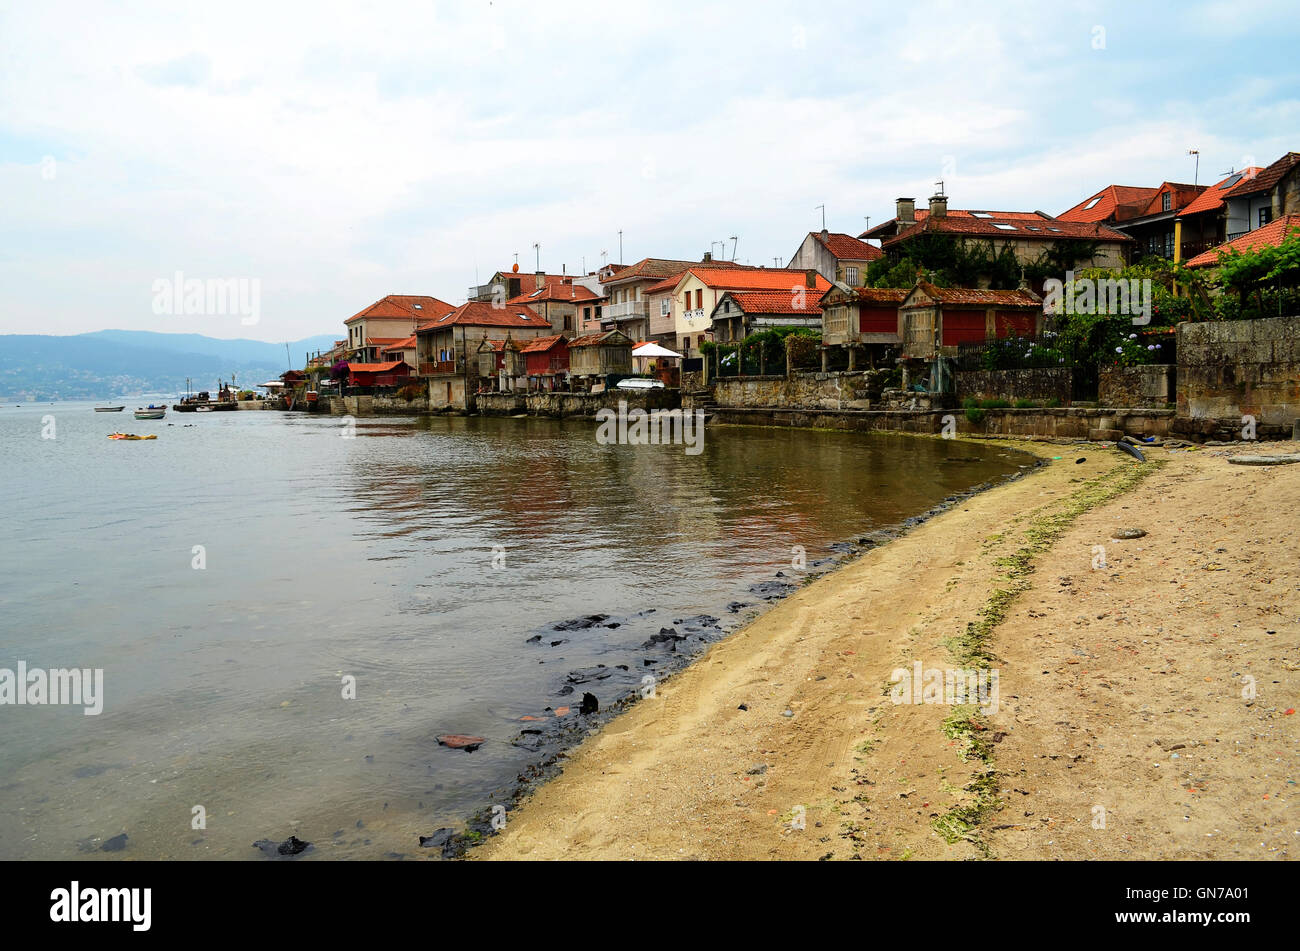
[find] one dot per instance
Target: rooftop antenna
(939, 185)
(867, 219)
(823, 211)
(620, 245)
(1196, 175)
(537, 248)
(603, 256)
(734, 241)
(776, 262)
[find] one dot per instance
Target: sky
(326, 154)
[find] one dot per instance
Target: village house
(1270, 235)
(936, 321)
(390, 373)
(1032, 236)
(1154, 228)
(693, 295)
(403, 350)
(741, 313)
(628, 307)
(560, 301)
(506, 285)
(862, 318)
(447, 347)
(836, 257)
(593, 357)
(386, 322)
(1259, 199)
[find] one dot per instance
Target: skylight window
(1232, 181)
(1092, 203)
(1033, 227)
(419, 307)
(1004, 227)
(522, 316)
(1057, 230)
(980, 214)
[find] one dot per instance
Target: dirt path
(690, 774)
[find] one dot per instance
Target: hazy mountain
(113, 363)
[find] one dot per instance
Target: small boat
(130, 436)
(151, 412)
(109, 409)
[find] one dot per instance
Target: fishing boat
(109, 409)
(150, 412)
(130, 436)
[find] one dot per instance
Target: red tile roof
(594, 340)
(1271, 235)
(542, 343)
(383, 341)
(664, 268)
(481, 313)
(1211, 199)
(375, 367)
(415, 306)
(1180, 196)
(752, 279)
(406, 343)
(845, 247)
(1115, 202)
(978, 296)
(775, 302)
(1029, 226)
(880, 295)
(1267, 178)
(556, 290)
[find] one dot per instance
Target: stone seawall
(1147, 386)
(1044, 383)
(1063, 423)
(850, 390)
(567, 405)
(1232, 369)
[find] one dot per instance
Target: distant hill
(112, 363)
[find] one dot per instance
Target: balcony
(442, 366)
(690, 316)
(627, 310)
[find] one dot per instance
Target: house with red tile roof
(386, 373)
(935, 321)
(741, 313)
(1270, 235)
(836, 257)
(403, 350)
(861, 318)
(561, 302)
(629, 308)
(693, 294)
(1258, 199)
(506, 285)
(447, 346)
(593, 357)
(1111, 205)
(1029, 234)
(387, 321)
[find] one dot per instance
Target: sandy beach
(1145, 694)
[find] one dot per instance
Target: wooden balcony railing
(442, 366)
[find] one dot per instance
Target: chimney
(938, 206)
(906, 211)
(825, 235)
(708, 255)
(541, 279)
(810, 277)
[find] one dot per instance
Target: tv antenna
(1196, 175)
(734, 241)
(823, 211)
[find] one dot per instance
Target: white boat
(150, 412)
(109, 409)
(203, 409)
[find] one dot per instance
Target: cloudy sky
(335, 153)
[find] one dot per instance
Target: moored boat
(109, 409)
(151, 412)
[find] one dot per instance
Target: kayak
(130, 436)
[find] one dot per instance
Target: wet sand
(1125, 725)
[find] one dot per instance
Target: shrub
(998, 403)
(1025, 404)
(410, 391)
(974, 415)
(1053, 402)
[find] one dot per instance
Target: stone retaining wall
(1043, 383)
(1148, 386)
(1231, 369)
(848, 390)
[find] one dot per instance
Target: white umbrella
(649, 349)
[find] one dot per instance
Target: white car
(640, 383)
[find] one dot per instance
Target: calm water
(372, 558)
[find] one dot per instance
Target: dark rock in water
(772, 590)
(115, 844)
(583, 623)
(287, 849)
(590, 704)
(563, 640)
(697, 621)
(588, 674)
(444, 839)
(565, 690)
(665, 635)
(735, 606)
(843, 547)
(534, 639)
(459, 741)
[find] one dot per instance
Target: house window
(568, 322)
(686, 301)
(726, 306)
(1169, 245)
(1166, 201)
(586, 314)
(665, 307)
(1265, 216)
(851, 276)
(699, 299)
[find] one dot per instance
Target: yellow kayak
(130, 436)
